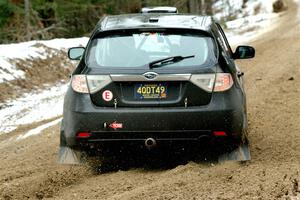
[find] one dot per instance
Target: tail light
(223, 82)
(204, 81)
(89, 83)
(218, 82)
(97, 82)
(79, 84)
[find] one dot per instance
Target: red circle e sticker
(107, 95)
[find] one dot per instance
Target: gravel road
(28, 168)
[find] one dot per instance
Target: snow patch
(38, 129)
(249, 20)
(248, 28)
(32, 107)
(239, 9)
(64, 44)
(30, 50)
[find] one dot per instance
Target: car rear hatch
(151, 89)
(151, 68)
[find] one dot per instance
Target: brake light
(83, 135)
(223, 82)
(89, 83)
(79, 84)
(213, 82)
(220, 133)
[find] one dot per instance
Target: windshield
(138, 49)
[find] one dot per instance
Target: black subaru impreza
(152, 78)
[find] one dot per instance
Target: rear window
(137, 49)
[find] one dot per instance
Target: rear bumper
(140, 136)
(225, 112)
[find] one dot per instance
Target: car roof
(155, 20)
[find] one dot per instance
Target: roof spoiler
(162, 9)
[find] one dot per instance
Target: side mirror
(244, 52)
(75, 53)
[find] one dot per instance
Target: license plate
(151, 91)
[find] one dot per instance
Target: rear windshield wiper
(168, 60)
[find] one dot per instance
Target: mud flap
(242, 153)
(70, 156)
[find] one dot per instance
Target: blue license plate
(151, 91)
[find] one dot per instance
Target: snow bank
(237, 8)
(32, 107)
(255, 17)
(30, 50)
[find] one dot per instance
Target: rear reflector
(220, 133)
(83, 135)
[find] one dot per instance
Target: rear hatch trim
(158, 77)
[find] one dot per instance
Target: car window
(139, 48)
(224, 42)
(158, 44)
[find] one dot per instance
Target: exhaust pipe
(150, 143)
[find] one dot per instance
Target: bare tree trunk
(209, 9)
(144, 3)
(27, 19)
(203, 7)
(193, 6)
